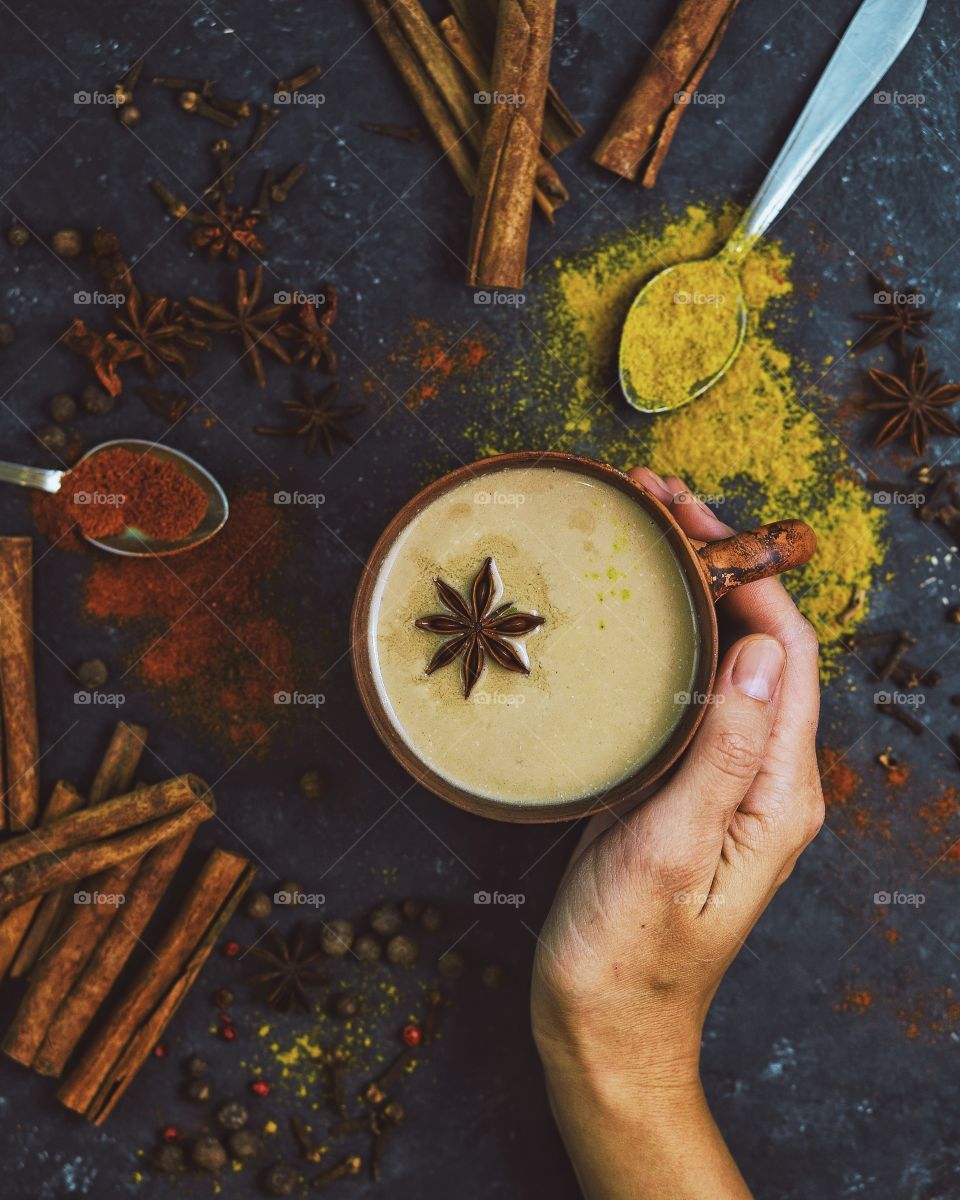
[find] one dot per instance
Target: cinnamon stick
(45, 1034)
(114, 816)
(63, 799)
(549, 192)
(644, 128)
(47, 871)
(18, 700)
(114, 776)
(424, 91)
(111, 1061)
(503, 200)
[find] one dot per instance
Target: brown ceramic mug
(560, 484)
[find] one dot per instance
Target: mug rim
(636, 786)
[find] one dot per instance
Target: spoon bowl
(131, 542)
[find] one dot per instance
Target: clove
(286, 87)
(280, 190)
(343, 1170)
(891, 709)
(193, 102)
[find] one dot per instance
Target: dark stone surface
(815, 1103)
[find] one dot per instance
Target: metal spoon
(131, 542)
(872, 41)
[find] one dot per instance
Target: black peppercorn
(282, 1179)
(63, 407)
(367, 948)
(259, 906)
(432, 918)
(233, 1115)
(402, 951)
(199, 1090)
(345, 1005)
(18, 235)
(452, 964)
(337, 937)
(95, 400)
(130, 115)
(208, 1154)
(8, 334)
(412, 908)
(92, 673)
(311, 785)
(243, 1144)
(386, 919)
(169, 1159)
(68, 243)
(195, 1066)
(52, 436)
(492, 976)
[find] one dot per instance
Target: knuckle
(803, 636)
(732, 752)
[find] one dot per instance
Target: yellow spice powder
(755, 439)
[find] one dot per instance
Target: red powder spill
(116, 490)
(438, 356)
(211, 641)
(856, 1002)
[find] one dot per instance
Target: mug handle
(755, 554)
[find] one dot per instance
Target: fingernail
(758, 667)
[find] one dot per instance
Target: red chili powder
(119, 489)
(211, 641)
(438, 355)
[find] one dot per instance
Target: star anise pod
(311, 333)
(226, 232)
(255, 327)
(105, 351)
(161, 328)
(915, 404)
(319, 419)
(291, 970)
(475, 629)
(897, 314)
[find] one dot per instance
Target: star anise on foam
(914, 404)
(291, 970)
(897, 314)
(474, 629)
(255, 327)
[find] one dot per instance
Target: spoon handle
(872, 41)
(34, 477)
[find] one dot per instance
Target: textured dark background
(815, 1103)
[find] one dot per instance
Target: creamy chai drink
(532, 635)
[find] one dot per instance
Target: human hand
(656, 904)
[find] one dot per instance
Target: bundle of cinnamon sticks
(66, 877)
(480, 80)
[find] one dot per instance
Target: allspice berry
(386, 919)
(92, 673)
(259, 906)
(8, 335)
(96, 401)
(311, 785)
(18, 235)
(492, 976)
(367, 948)
(337, 937)
(198, 1090)
(169, 1158)
(282, 1179)
(130, 115)
(452, 964)
(432, 918)
(63, 407)
(412, 908)
(243, 1144)
(233, 1115)
(208, 1154)
(402, 951)
(68, 243)
(53, 437)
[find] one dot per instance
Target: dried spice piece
(403, 133)
(895, 317)
(227, 231)
(473, 630)
(319, 419)
(161, 328)
(914, 405)
(255, 327)
(105, 353)
(311, 333)
(291, 971)
(169, 405)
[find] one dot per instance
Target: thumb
(726, 754)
